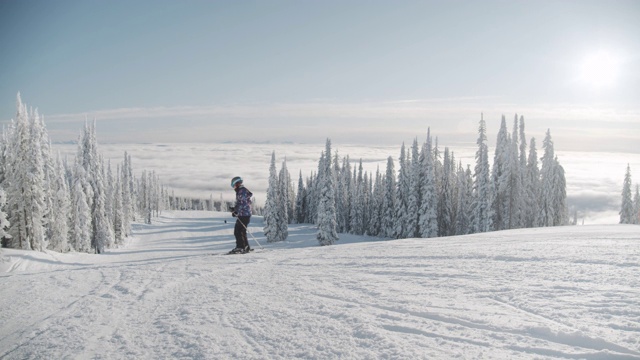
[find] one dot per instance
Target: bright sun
(599, 70)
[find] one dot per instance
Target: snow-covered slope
(571, 292)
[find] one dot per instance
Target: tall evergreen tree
(300, 207)
(547, 210)
(465, 196)
(500, 177)
(388, 228)
(481, 183)
(553, 208)
(429, 202)
(627, 210)
(4, 222)
(61, 203)
(376, 207)
(25, 176)
(414, 190)
(80, 224)
(327, 234)
(636, 206)
(532, 189)
(515, 193)
(358, 203)
(274, 215)
(402, 197)
(446, 211)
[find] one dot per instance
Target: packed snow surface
(569, 293)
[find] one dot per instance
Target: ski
(238, 253)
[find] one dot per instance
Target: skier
(242, 212)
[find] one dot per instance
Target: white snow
(569, 292)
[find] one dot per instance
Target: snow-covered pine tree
(388, 220)
(481, 183)
(344, 195)
(80, 222)
(300, 207)
(58, 232)
(358, 203)
(532, 189)
(128, 195)
(4, 222)
(560, 195)
(145, 197)
(110, 191)
(402, 197)
(553, 208)
(285, 194)
(514, 192)
(311, 200)
(48, 168)
(327, 234)
(522, 170)
(376, 207)
(26, 191)
(415, 196)
(446, 211)
(627, 208)
(636, 206)
(465, 196)
(284, 190)
(102, 235)
(273, 210)
(500, 177)
(428, 207)
(118, 209)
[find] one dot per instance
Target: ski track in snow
(570, 293)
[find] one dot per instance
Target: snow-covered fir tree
(4, 222)
(446, 197)
(500, 177)
(482, 195)
(358, 202)
(636, 206)
(58, 231)
(389, 207)
(26, 190)
(327, 234)
(532, 217)
(401, 216)
(301, 196)
(428, 221)
(274, 211)
(80, 225)
(376, 209)
(553, 208)
(415, 195)
(514, 193)
(627, 210)
(465, 198)
(284, 202)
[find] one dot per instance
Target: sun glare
(599, 69)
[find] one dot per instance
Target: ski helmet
(236, 180)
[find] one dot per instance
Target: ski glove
(234, 214)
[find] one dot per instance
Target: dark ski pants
(240, 231)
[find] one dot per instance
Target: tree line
(630, 207)
(86, 205)
(431, 194)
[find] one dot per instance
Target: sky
(369, 72)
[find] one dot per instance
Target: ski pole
(250, 233)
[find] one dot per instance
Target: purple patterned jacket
(243, 201)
